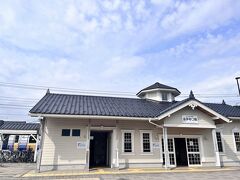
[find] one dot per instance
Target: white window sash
(221, 136)
(150, 140)
(234, 139)
(132, 141)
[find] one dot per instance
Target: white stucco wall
(230, 157)
(62, 151)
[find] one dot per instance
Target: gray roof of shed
(64, 104)
(18, 125)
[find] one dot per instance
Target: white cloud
(122, 66)
(218, 84)
(7, 18)
(200, 15)
(112, 5)
(163, 3)
(118, 45)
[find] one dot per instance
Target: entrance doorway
(99, 149)
(181, 152)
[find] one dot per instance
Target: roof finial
(223, 102)
(48, 91)
(191, 95)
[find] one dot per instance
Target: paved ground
(10, 170)
(13, 171)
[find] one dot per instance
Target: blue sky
(119, 46)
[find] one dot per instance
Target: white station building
(82, 132)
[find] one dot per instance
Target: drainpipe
(164, 140)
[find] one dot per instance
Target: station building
(82, 132)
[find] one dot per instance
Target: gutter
(236, 118)
(86, 116)
(150, 121)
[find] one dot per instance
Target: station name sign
(189, 119)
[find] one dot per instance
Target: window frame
(162, 95)
(132, 141)
(150, 141)
(69, 132)
(75, 130)
(198, 150)
(221, 135)
(235, 130)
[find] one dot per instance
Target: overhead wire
(88, 91)
(20, 102)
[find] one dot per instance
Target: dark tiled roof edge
(18, 125)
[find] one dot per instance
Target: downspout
(165, 148)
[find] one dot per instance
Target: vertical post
(36, 148)
(39, 159)
(88, 147)
(166, 153)
(117, 145)
(218, 162)
(237, 78)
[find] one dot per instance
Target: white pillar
(166, 152)
(88, 147)
(42, 130)
(217, 155)
(116, 142)
(36, 148)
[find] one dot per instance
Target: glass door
(193, 151)
(171, 150)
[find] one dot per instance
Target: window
(76, 132)
(219, 141)
(146, 140)
(128, 142)
(65, 132)
(164, 96)
(237, 140)
(32, 140)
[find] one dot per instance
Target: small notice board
(81, 145)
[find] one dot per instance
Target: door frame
(175, 149)
(112, 133)
(172, 136)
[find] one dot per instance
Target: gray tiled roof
(18, 125)
(160, 86)
(224, 109)
(114, 106)
(97, 105)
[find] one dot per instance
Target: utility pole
(237, 78)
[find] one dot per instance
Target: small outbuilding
(19, 135)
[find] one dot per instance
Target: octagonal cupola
(159, 92)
